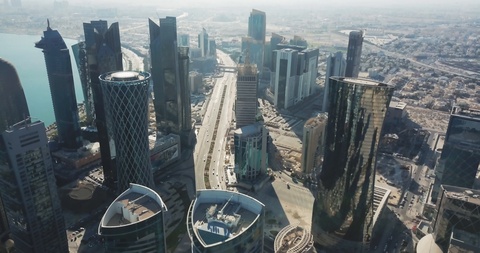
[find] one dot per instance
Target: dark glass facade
(257, 24)
(59, 70)
(100, 53)
(14, 109)
(342, 218)
(126, 104)
(460, 158)
(170, 79)
(354, 52)
(458, 210)
(29, 191)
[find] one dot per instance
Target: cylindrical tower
(343, 210)
(125, 95)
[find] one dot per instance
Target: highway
(209, 153)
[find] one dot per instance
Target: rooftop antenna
(48, 23)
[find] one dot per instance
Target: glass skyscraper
(342, 219)
(14, 109)
(354, 53)
(29, 192)
(100, 53)
(257, 25)
(170, 79)
(460, 158)
(134, 222)
(59, 70)
(250, 151)
(126, 103)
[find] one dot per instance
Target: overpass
(224, 68)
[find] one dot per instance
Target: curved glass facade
(343, 209)
(126, 99)
(134, 222)
(225, 222)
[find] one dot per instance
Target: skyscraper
(284, 77)
(253, 49)
(456, 224)
(29, 192)
(14, 109)
(354, 52)
(335, 67)
(100, 53)
(313, 143)
(342, 219)
(203, 42)
(274, 41)
(170, 67)
(59, 70)
(257, 25)
(251, 159)
(134, 222)
(126, 99)
(246, 102)
(183, 40)
(225, 221)
(460, 158)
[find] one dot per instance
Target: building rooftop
(293, 239)
(360, 81)
(220, 215)
(249, 130)
(247, 70)
(464, 194)
(398, 105)
(136, 204)
(472, 113)
(321, 118)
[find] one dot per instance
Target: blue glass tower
(59, 70)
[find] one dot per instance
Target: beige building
(313, 142)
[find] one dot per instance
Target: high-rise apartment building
(354, 53)
(251, 158)
(29, 192)
(335, 67)
(134, 222)
(170, 67)
(342, 219)
(126, 99)
(59, 71)
(225, 221)
(257, 25)
(313, 143)
(203, 42)
(100, 53)
(460, 158)
(14, 109)
(456, 223)
(246, 101)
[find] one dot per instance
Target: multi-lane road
(209, 154)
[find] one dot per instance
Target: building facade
(183, 40)
(29, 191)
(100, 53)
(250, 151)
(134, 222)
(354, 53)
(246, 101)
(60, 78)
(14, 109)
(313, 143)
(203, 42)
(126, 99)
(252, 51)
(170, 67)
(456, 223)
(335, 67)
(221, 221)
(460, 158)
(257, 25)
(342, 219)
(284, 77)
(195, 81)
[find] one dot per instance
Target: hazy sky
(279, 3)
